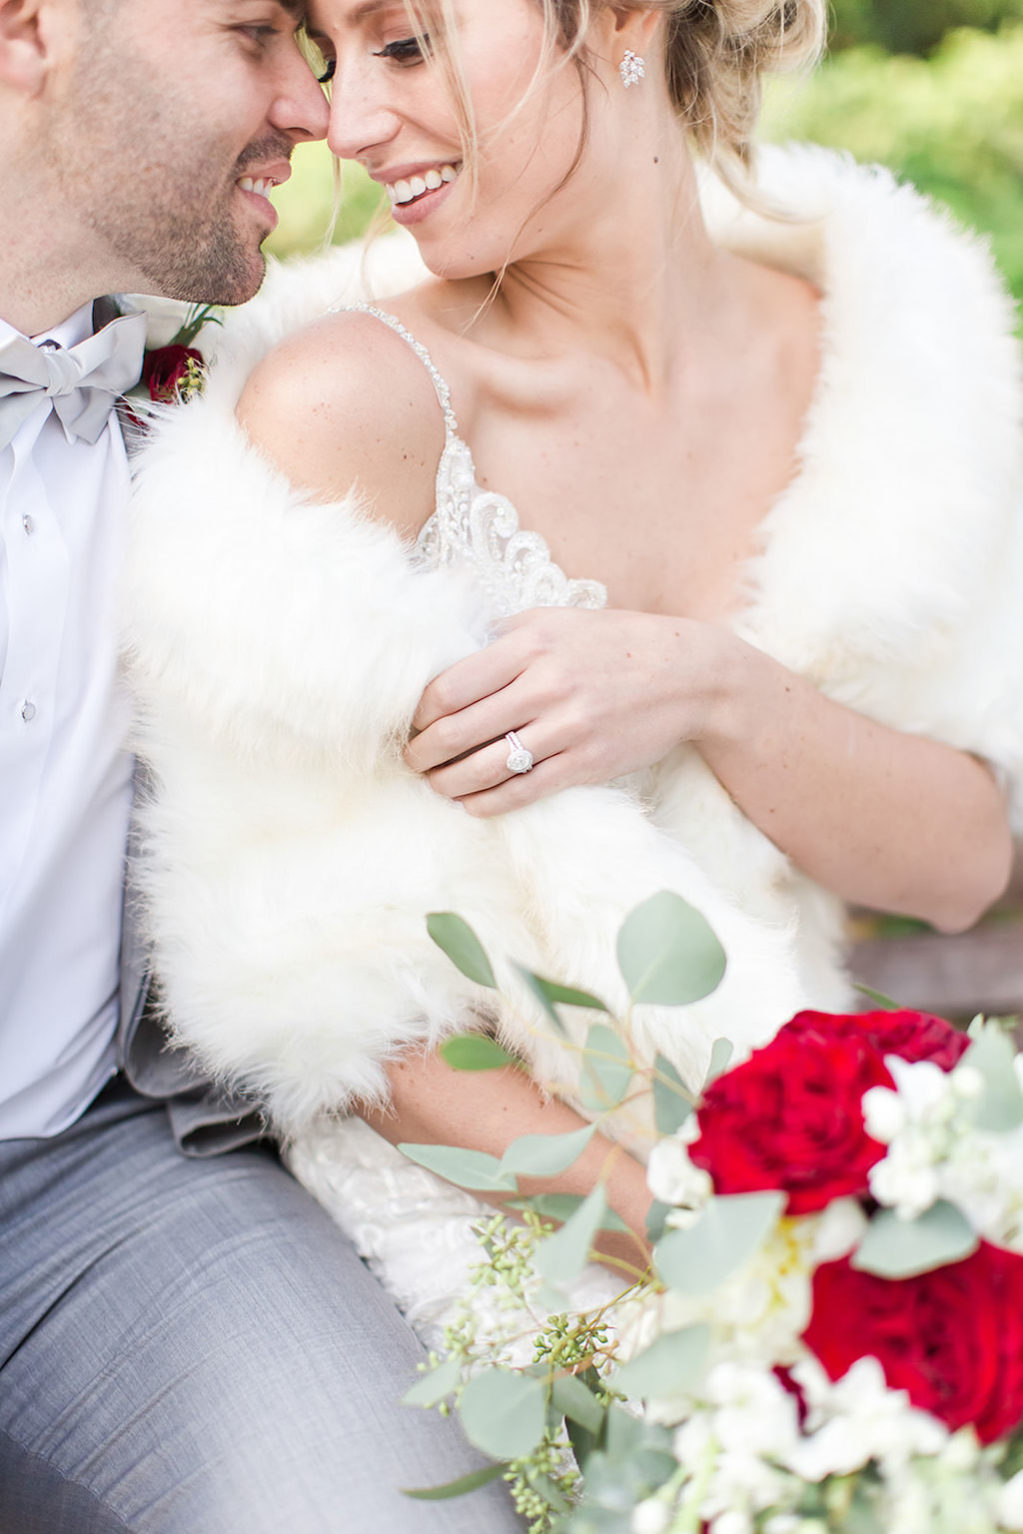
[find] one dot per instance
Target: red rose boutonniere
(173, 373)
(174, 368)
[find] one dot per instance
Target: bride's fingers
(471, 729)
(488, 768)
(469, 681)
(547, 777)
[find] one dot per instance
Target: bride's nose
(362, 115)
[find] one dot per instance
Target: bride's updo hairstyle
(716, 53)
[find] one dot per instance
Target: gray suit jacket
(204, 1120)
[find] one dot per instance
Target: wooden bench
(977, 971)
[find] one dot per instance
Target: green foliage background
(932, 88)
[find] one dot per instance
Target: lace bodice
(476, 528)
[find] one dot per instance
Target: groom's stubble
(140, 150)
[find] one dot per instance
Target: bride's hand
(592, 695)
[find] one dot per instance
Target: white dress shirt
(65, 776)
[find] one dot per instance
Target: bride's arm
(886, 819)
(431, 1104)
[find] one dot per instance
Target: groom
(186, 1342)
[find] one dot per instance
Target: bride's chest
(663, 521)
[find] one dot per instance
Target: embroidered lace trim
(480, 529)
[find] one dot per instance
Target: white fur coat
(278, 649)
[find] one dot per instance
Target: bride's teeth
(430, 181)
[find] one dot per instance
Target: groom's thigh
(192, 1347)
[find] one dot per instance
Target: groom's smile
(211, 96)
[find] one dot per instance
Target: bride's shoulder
(342, 402)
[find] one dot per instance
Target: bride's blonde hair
(716, 54)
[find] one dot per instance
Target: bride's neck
(628, 276)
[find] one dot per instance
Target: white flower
(884, 1116)
(924, 1088)
(732, 1522)
(672, 1177)
(650, 1517)
(967, 1082)
(905, 1180)
(1010, 1504)
(859, 1419)
(838, 1229)
(694, 1442)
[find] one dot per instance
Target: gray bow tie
(82, 381)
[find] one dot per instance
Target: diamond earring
(632, 68)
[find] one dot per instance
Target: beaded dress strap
(443, 392)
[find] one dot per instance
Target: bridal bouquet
(830, 1337)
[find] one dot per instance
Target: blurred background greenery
(933, 88)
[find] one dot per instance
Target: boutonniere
(174, 367)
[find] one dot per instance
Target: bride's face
(393, 110)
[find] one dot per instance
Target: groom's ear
(24, 45)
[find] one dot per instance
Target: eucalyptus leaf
(456, 938)
(720, 1060)
(657, 1220)
(562, 1257)
(671, 1366)
(503, 1413)
(673, 1102)
(696, 1260)
(881, 1001)
(606, 1070)
(897, 1248)
(432, 1388)
(668, 952)
(546, 1155)
(572, 1399)
(1000, 1105)
(552, 994)
(466, 1168)
(562, 1206)
(475, 1052)
(461, 1487)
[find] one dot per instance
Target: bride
(702, 485)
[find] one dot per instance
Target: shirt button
(28, 523)
(28, 711)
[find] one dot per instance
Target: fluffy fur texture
(278, 649)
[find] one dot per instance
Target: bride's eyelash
(329, 71)
(406, 50)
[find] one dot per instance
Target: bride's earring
(632, 68)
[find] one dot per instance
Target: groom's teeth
(258, 185)
(430, 181)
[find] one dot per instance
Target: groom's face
(170, 121)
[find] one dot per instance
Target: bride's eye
(328, 71)
(406, 50)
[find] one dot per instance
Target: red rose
(952, 1339)
(791, 1116)
(165, 368)
(916, 1036)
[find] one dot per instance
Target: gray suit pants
(192, 1347)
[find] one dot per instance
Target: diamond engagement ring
(519, 759)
